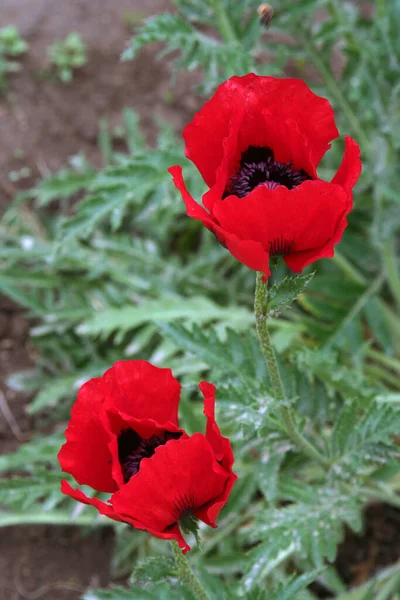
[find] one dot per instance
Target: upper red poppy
(257, 144)
(123, 438)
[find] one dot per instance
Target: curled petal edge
(105, 509)
(248, 252)
(346, 177)
(223, 453)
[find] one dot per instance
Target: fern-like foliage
(200, 48)
(312, 527)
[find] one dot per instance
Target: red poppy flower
(257, 143)
(123, 438)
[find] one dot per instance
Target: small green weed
(67, 55)
(11, 45)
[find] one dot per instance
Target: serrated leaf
(20, 493)
(154, 569)
(164, 310)
(362, 440)
(236, 353)
(39, 451)
(283, 294)
(158, 592)
(312, 530)
(197, 49)
(268, 472)
(63, 184)
(264, 559)
(291, 589)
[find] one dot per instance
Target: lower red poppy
(158, 475)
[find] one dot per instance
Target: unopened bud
(265, 12)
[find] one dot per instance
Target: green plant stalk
(356, 309)
(388, 361)
(287, 413)
(335, 90)
(355, 275)
(224, 24)
(186, 574)
(392, 274)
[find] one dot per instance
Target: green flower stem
(186, 574)
(224, 24)
(287, 413)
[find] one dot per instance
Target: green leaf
(283, 294)
(290, 590)
(154, 569)
(362, 440)
(237, 353)
(219, 60)
(40, 451)
(158, 592)
(20, 493)
(164, 310)
(311, 529)
(63, 184)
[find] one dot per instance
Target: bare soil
(42, 123)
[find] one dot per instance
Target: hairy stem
(186, 574)
(287, 413)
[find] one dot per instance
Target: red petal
(347, 175)
(143, 391)
(102, 507)
(205, 134)
(229, 163)
(350, 169)
(250, 253)
(85, 454)
(306, 216)
(106, 509)
(223, 452)
(183, 474)
(282, 98)
(193, 209)
(144, 427)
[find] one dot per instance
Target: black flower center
(258, 167)
(132, 449)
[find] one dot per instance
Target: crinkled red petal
(102, 507)
(346, 176)
(86, 455)
(146, 428)
(248, 252)
(142, 390)
(302, 218)
(229, 164)
(282, 98)
(182, 475)
(107, 510)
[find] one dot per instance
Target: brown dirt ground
(42, 123)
